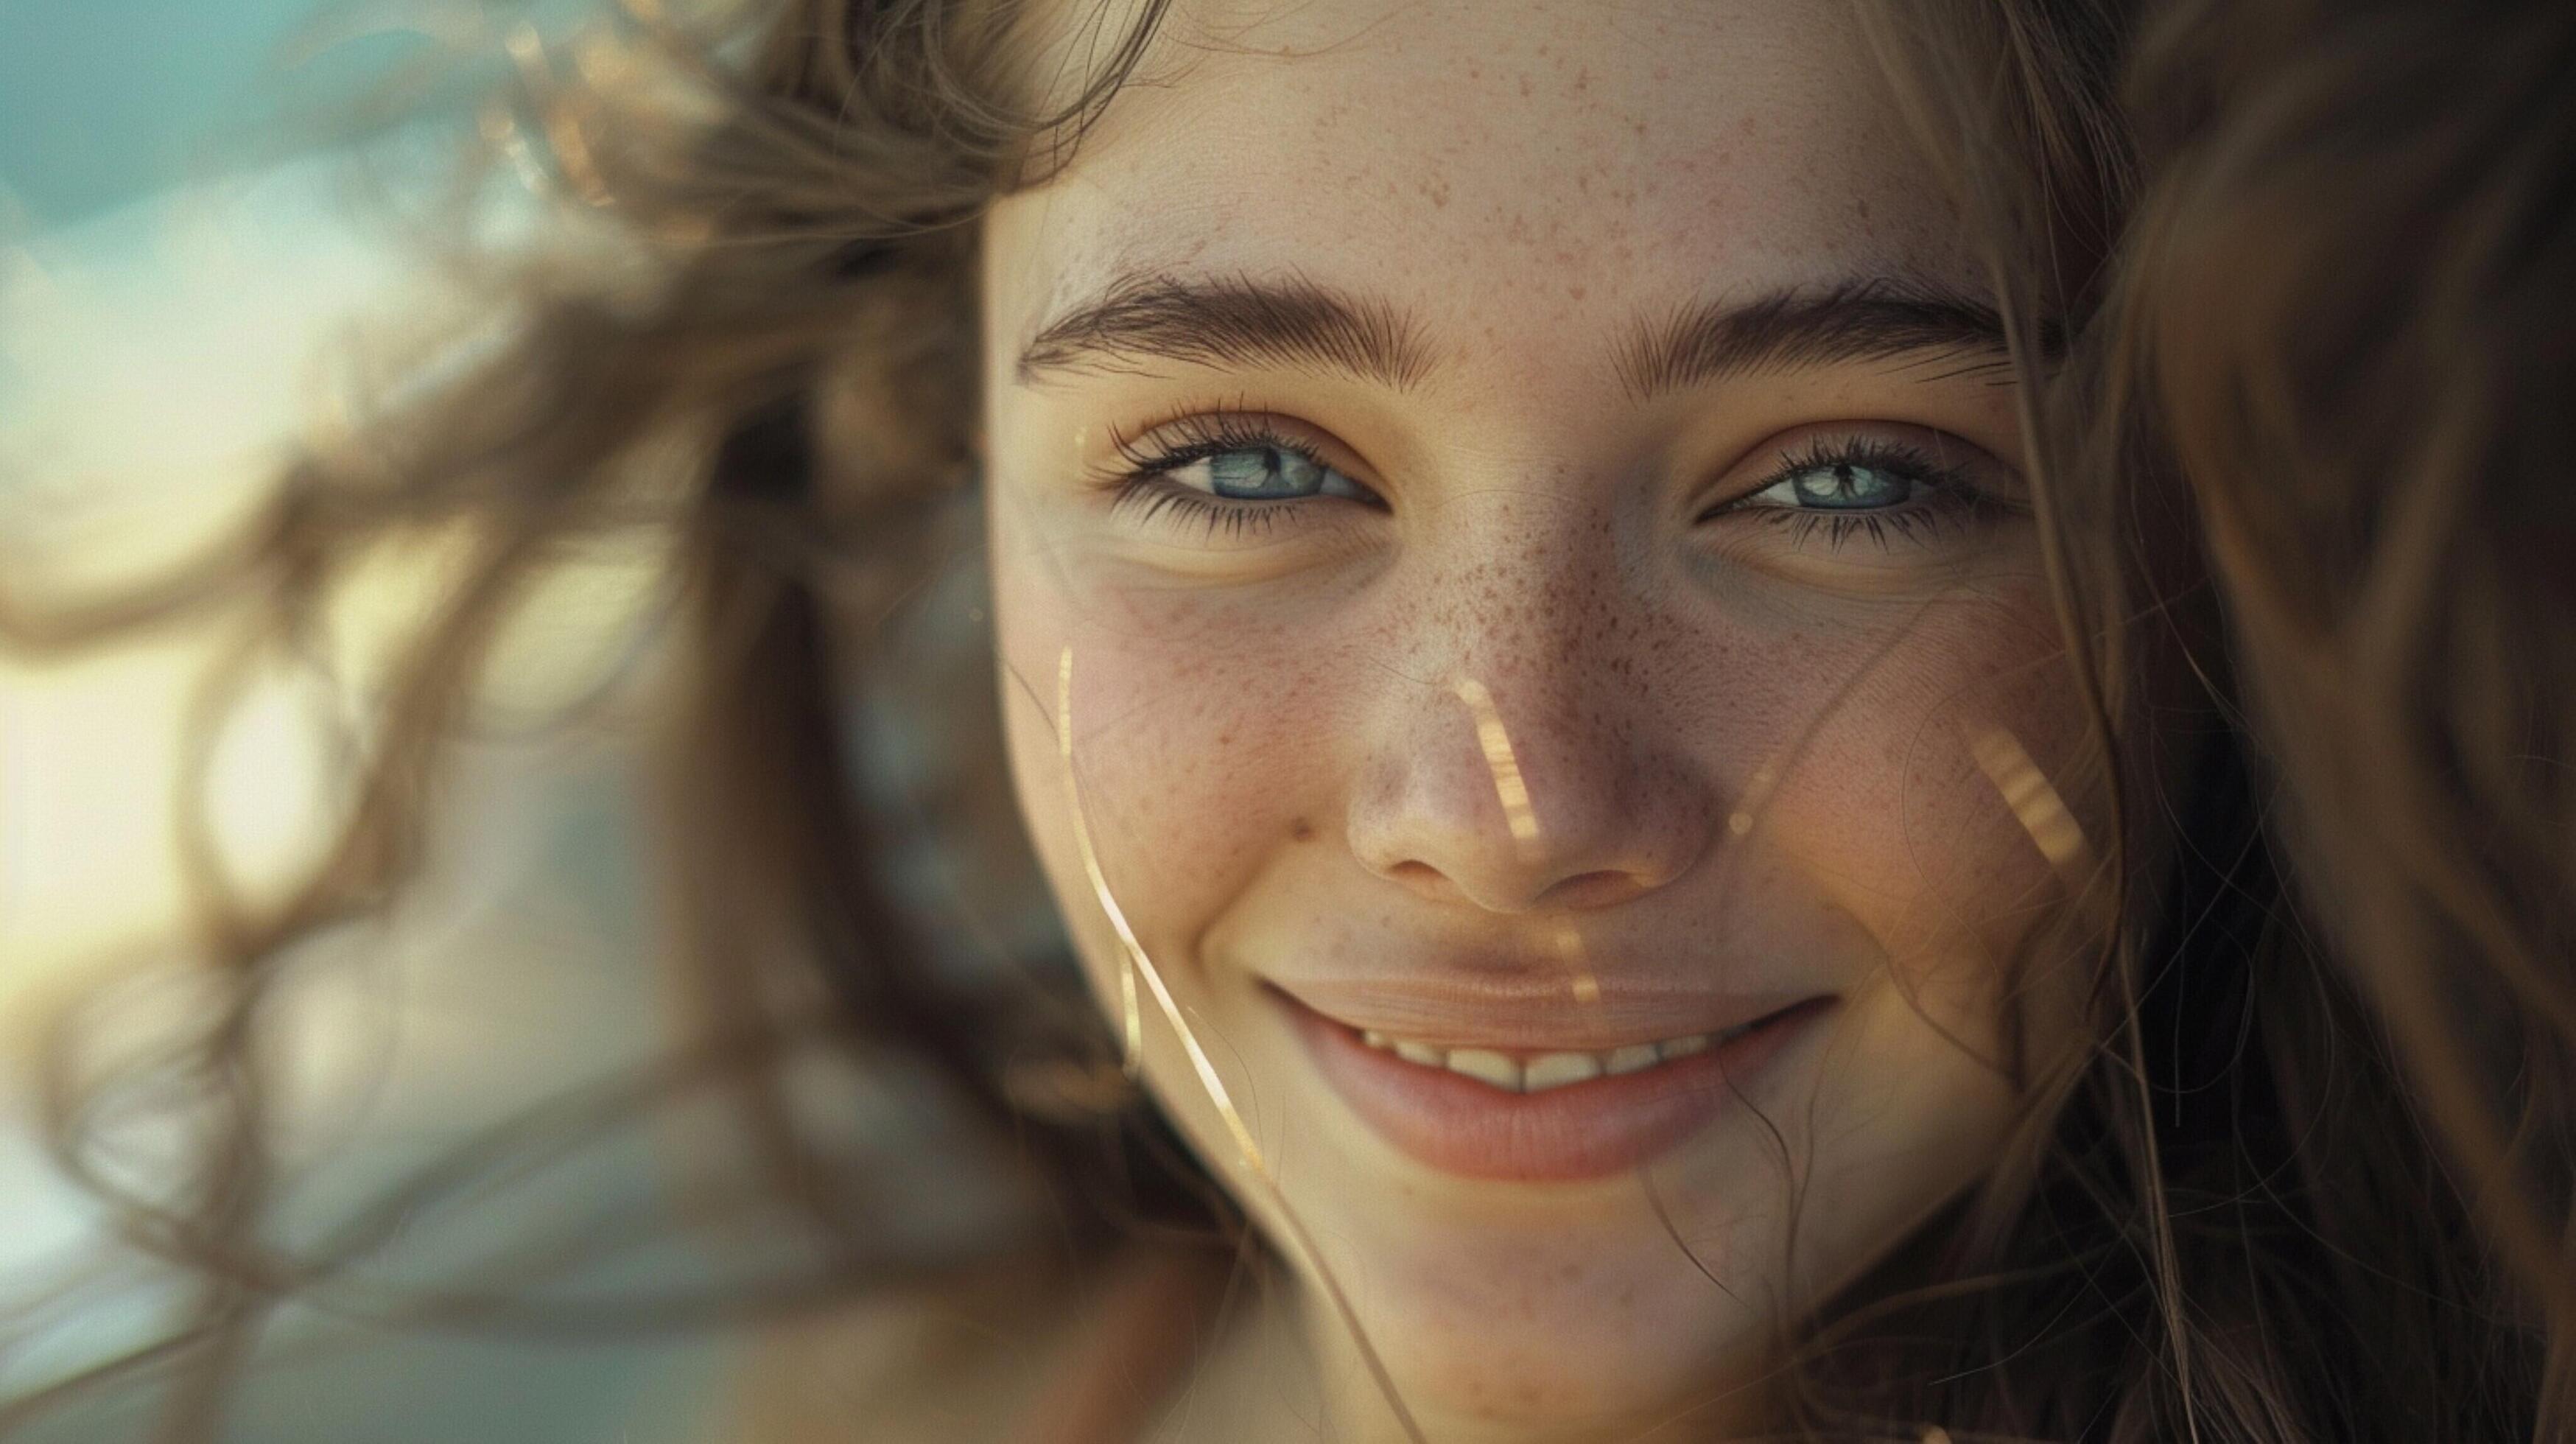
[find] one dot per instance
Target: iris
(1842, 486)
(1266, 473)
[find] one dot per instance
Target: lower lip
(1591, 1129)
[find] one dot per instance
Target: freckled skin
(1275, 760)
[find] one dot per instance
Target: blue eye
(1230, 475)
(1838, 486)
(1264, 473)
(1868, 488)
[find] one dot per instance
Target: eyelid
(1954, 462)
(1139, 483)
(1217, 428)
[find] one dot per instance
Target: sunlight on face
(1531, 495)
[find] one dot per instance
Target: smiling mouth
(1536, 1115)
(1540, 1072)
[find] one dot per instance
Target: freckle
(1302, 830)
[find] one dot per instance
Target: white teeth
(1555, 1070)
(1631, 1058)
(1486, 1066)
(1547, 1070)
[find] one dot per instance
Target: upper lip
(1533, 1011)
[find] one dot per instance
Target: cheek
(1897, 803)
(1888, 814)
(1201, 739)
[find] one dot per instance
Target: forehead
(1469, 157)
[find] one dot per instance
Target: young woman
(1683, 879)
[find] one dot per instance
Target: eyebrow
(1243, 323)
(1875, 319)
(1232, 321)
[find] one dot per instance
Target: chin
(1555, 1332)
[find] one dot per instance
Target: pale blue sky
(104, 101)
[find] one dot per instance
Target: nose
(1540, 791)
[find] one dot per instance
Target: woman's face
(1530, 493)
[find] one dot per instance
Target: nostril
(1603, 887)
(1420, 875)
(1592, 889)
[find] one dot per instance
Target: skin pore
(1530, 495)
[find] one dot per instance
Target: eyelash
(1954, 499)
(1140, 483)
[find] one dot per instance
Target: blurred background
(191, 266)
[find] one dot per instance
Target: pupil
(1254, 472)
(1846, 486)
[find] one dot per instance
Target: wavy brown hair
(2326, 1177)
(2233, 1222)
(2350, 308)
